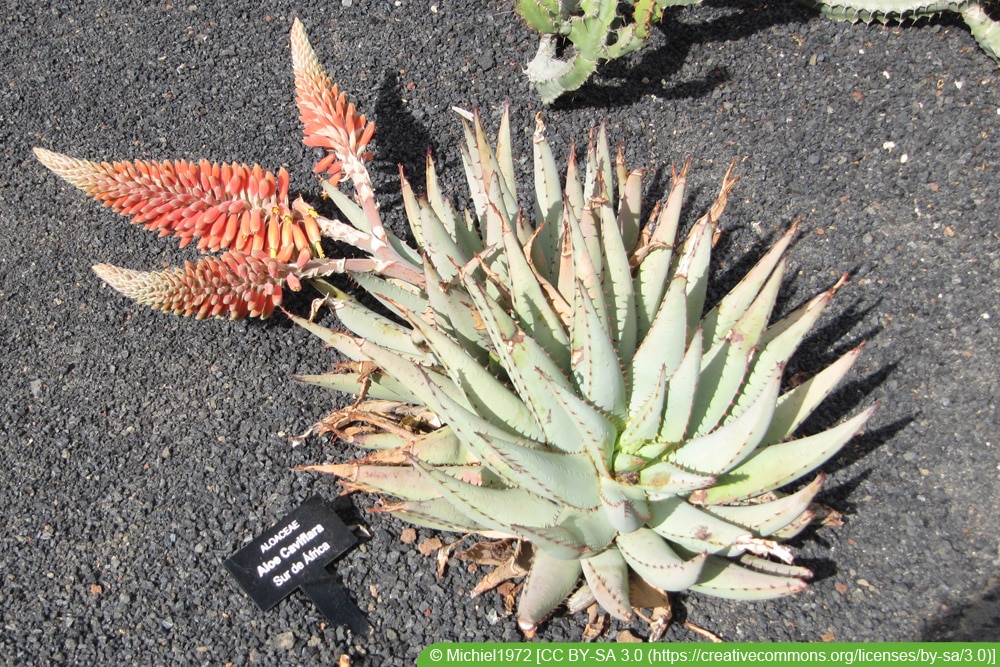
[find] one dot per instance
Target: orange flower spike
(241, 209)
(328, 120)
(186, 199)
(235, 284)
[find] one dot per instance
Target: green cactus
(597, 31)
(974, 13)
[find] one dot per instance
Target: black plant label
(293, 555)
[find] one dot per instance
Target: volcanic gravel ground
(140, 449)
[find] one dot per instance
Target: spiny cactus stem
(984, 29)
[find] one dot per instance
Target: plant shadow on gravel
(402, 141)
(975, 620)
(643, 77)
(653, 70)
(827, 342)
(837, 497)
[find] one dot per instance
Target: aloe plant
(550, 378)
(556, 381)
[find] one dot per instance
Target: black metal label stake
(294, 554)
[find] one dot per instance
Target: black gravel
(141, 450)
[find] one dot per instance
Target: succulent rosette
(556, 380)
